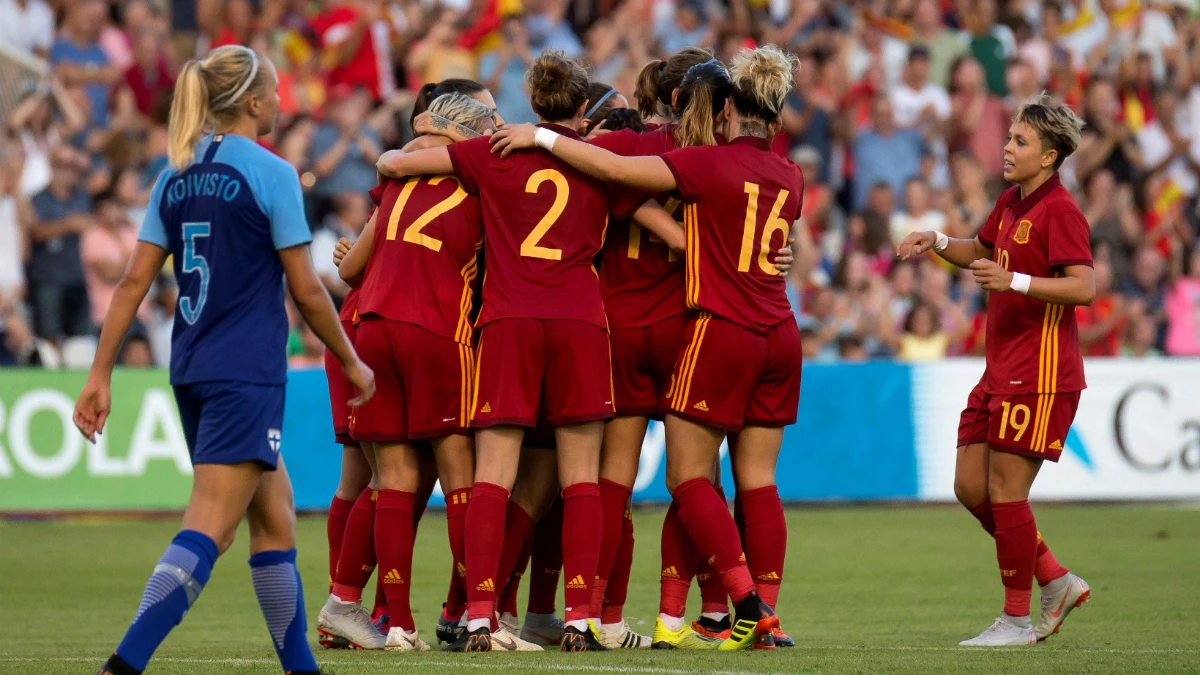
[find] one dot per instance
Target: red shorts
(729, 376)
(1034, 425)
(642, 361)
(422, 383)
(532, 369)
(340, 392)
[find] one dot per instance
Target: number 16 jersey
(544, 222)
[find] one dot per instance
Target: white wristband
(544, 138)
(1020, 283)
(942, 242)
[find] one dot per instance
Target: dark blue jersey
(223, 219)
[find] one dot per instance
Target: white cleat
(349, 621)
(543, 629)
(508, 641)
(1056, 606)
(621, 636)
(400, 640)
(1002, 633)
(508, 621)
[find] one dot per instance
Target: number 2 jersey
(1033, 346)
(223, 219)
(428, 232)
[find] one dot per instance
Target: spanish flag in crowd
(484, 35)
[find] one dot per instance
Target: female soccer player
(1034, 254)
(230, 214)
(740, 371)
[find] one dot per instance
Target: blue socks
(281, 598)
(177, 580)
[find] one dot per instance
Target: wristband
(942, 242)
(1020, 283)
(544, 138)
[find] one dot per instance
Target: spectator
(343, 149)
(15, 217)
(549, 29)
(884, 153)
(1022, 82)
(148, 80)
(992, 45)
(869, 232)
(918, 103)
(439, 56)
(1103, 322)
(876, 47)
(355, 38)
(850, 348)
(917, 214)
(1167, 146)
(27, 25)
(58, 289)
(503, 73)
(1140, 339)
(978, 121)
(1144, 291)
(923, 338)
(39, 129)
(106, 247)
(1108, 142)
(945, 46)
(349, 217)
(1033, 49)
(311, 352)
(78, 59)
(1183, 309)
(1116, 232)
(687, 26)
(807, 119)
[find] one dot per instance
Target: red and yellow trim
(1047, 376)
(682, 386)
(692, 231)
(466, 367)
(463, 332)
(478, 360)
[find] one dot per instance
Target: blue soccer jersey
(223, 219)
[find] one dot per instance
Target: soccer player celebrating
(1033, 254)
(740, 371)
(234, 223)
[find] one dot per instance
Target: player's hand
(916, 243)
(383, 165)
(513, 137)
(784, 258)
(92, 408)
(991, 276)
(340, 251)
(599, 129)
(362, 378)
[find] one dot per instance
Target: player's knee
(970, 492)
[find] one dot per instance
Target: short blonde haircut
(210, 90)
(1057, 126)
(464, 110)
(762, 79)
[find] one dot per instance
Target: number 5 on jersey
(190, 308)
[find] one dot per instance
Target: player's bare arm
(430, 161)
(92, 407)
(652, 217)
(317, 309)
(650, 173)
(429, 123)
(960, 252)
(354, 265)
(1077, 286)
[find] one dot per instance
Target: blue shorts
(231, 422)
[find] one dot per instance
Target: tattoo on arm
(441, 123)
(753, 128)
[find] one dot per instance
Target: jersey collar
(1022, 206)
(560, 129)
(754, 141)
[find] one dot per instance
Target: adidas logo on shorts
(702, 405)
(1056, 445)
(462, 570)
(487, 408)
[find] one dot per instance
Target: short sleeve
(991, 227)
(692, 168)
(471, 159)
(1069, 239)
(285, 207)
(618, 142)
(153, 230)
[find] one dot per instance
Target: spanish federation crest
(1022, 234)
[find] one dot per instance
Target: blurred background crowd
(898, 117)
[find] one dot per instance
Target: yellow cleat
(684, 638)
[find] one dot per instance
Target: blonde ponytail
(696, 122)
(209, 91)
(189, 115)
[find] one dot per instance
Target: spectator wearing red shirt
(148, 79)
(1101, 324)
(355, 39)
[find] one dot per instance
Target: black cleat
(575, 640)
(479, 640)
(116, 665)
(448, 630)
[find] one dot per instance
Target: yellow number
(562, 190)
(635, 234)
(413, 233)
(1019, 418)
(1002, 258)
(774, 224)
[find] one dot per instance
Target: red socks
(617, 588)
(679, 560)
(1016, 548)
(356, 560)
(507, 604)
(546, 561)
(518, 529)
(485, 523)
(580, 547)
(335, 529)
(613, 499)
(456, 517)
(1047, 568)
(765, 537)
(394, 548)
(714, 534)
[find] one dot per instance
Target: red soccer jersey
(545, 223)
(1033, 347)
(423, 263)
(350, 304)
(740, 202)
(641, 279)
(370, 67)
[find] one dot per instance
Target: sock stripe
(275, 586)
(174, 570)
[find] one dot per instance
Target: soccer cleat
(782, 639)
(623, 637)
(383, 623)
(752, 619)
(449, 630)
(684, 638)
(1002, 633)
(505, 639)
(479, 640)
(766, 642)
(575, 640)
(508, 621)
(400, 640)
(711, 628)
(542, 629)
(349, 621)
(1056, 606)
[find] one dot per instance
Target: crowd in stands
(899, 114)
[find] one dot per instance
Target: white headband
(245, 85)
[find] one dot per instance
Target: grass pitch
(867, 589)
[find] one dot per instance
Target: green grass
(867, 589)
